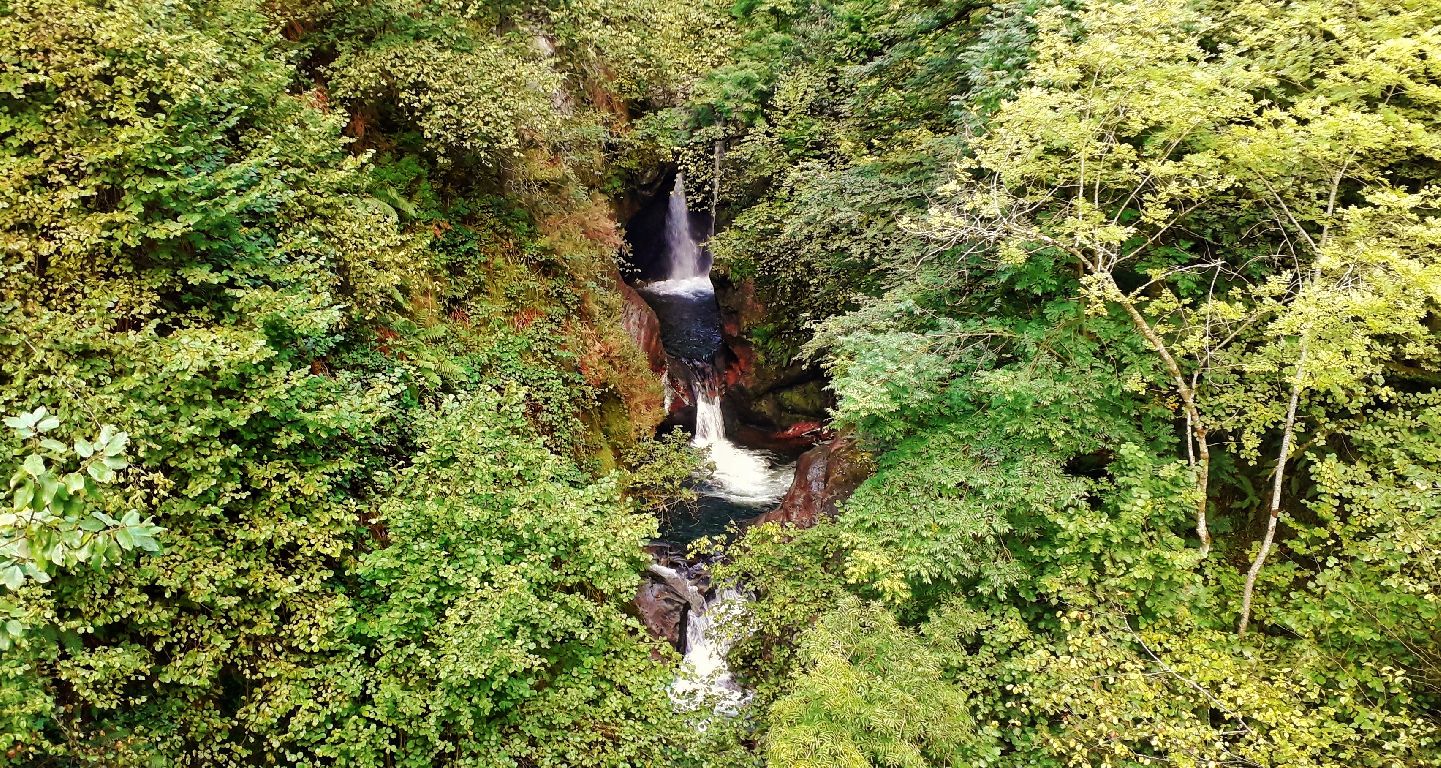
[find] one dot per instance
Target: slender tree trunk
(1287, 436)
(1203, 488)
(715, 183)
(1188, 404)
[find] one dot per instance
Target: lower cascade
(704, 679)
(743, 482)
(742, 475)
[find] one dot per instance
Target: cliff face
(641, 324)
(766, 389)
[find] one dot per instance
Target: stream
(745, 481)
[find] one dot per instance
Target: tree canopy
(326, 445)
(1135, 305)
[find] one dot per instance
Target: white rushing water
(742, 475)
(686, 259)
(704, 680)
(695, 286)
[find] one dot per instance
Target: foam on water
(704, 679)
(695, 286)
(742, 475)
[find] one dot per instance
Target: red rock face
(660, 609)
(826, 475)
(801, 430)
(742, 361)
(661, 603)
(640, 323)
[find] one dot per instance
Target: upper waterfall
(685, 258)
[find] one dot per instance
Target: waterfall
(686, 304)
(686, 259)
(709, 423)
(744, 482)
(742, 475)
(704, 679)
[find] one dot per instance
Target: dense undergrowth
(1135, 303)
(341, 279)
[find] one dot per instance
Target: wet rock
(642, 207)
(778, 398)
(808, 398)
(665, 553)
(741, 362)
(662, 602)
(790, 442)
(641, 324)
(661, 610)
(675, 580)
(772, 393)
(801, 430)
(680, 379)
(826, 475)
(743, 309)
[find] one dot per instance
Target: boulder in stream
(826, 475)
(662, 602)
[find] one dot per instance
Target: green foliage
(1163, 224)
(1126, 546)
(489, 626)
(869, 693)
(839, 120)
(318, 295)
(197, 247)
(1098, 689)
(50, 524)
(831, 225)
(660, 473)
(1373, 549)
(460, 100)
(941, 508)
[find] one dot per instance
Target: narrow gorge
(738, 482)
(720, 384)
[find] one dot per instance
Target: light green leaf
(12, 576)
(24, 495)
